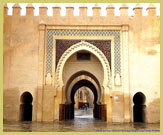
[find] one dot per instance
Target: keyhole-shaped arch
(87, 47)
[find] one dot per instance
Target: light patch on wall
(115, 97)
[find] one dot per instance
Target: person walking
(86, 107)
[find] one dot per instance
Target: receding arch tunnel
(83, 73)
(67, 109)
(87, 75)
(78, 85)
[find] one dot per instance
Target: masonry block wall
(21, 55)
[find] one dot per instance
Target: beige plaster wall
(144, 65)
(118, 104)
(73, 66)
(20, 61)
(20, 64)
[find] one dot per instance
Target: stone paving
(83, 122)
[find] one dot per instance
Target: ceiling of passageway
(82, 73)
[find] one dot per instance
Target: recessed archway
(104, 85)
(139, 108)
(86, 47)
(26, 107)
(78, 85)
(80, 76)
(84, 95)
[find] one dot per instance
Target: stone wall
(21, 44)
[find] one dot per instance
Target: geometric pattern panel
(103, 45)
(62, 46)
(114, 33)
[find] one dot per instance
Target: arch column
(41, 60)
(108, 103)
(125, 68)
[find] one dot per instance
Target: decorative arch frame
(92, 49)
(119, 39)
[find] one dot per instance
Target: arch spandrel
(87, 47)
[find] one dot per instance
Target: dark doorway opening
(139, 108)
(26, 107)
